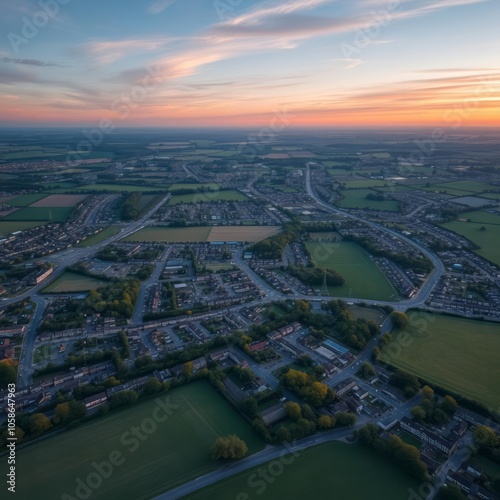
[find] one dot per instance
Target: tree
(418, 413)
(326, 422)
(38, 423)
(8, 374)
(345, 419)
(188, 369)
(123, 398)
(249, 407)
(399, 320)
(450, 492)
(428, 393)
(293, 409)
(152, 386)
(367, 370)
(486, 436)
(368, 434)
(229, 448)
(449, 405)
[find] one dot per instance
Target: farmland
(57, 214)
(73, 282)
(175, 187)
(229, 195)
(337, 464)
(178, 451)
(356, 198)
(7, 227)
(363, 278)
(118, 188)
(455, 353)
(365, 183)
(26, 199)
(251, 234)
(59, 200)
(488, 238)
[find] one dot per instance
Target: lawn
(175, 451)
(331, 470)
(171, 235)
(455, 353)
(365, 183)
(103, 235)
(56, 214)
(26, 199)
(175, 187)
(363, 278)
(251, 234)
(488, 239)
(229, 195)
(7, 227)
(118, 188)
(73, 282)
(356, 198)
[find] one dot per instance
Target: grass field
(469, 186)
(488, 240)
(26, 199)
(56, 214)
(455, 353)
(103, 235)
(7, 227)
(73, 282)
(176, 452)
(365, 183)
(363, 278)
(117, 188)
(212, 185)
(251, 234)
(59, 200)
(229, 195)
(356, 198)
(332, 470)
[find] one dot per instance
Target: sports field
(172, 451)
(488, 239)
(356, 198)
(329, 471)
(252, 234)
(229, 195)
(73, 282)
(455, 353)
(363, 278)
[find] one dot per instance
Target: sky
(240, 63)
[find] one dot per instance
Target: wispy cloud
(160, 6)
(32, 62)
(351, 63)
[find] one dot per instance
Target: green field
(469, 186)
(488, 240)
(329, 471)
(56, 214)
(26, 199)
(7, 227)
(171, 235)
(356, 198)
(177, 451)
(229, 195)
(103, 235)
(118, 188)
(175, 187)
(73, 282)
(365, 183)
(455, 353)
(363, 278)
